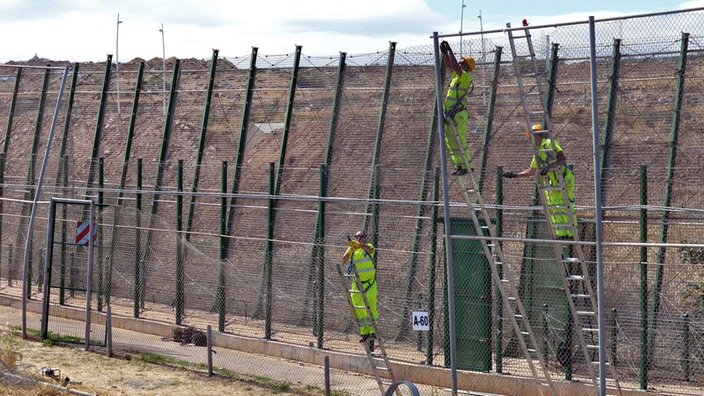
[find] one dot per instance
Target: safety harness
(368, 283)
(459, 100)
(550, 157)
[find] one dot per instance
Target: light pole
(117, 60)
(461, 23)
(481, 36)
(163, 59)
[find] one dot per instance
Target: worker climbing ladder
(574, 269)
(503, 274)
(379, 361)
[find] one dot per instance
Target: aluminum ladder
(575, 272)
(503, 274)
(378, 361)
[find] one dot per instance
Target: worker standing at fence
(455, 108)
(359, 258)
(550, 160)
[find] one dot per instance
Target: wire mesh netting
(227, 189)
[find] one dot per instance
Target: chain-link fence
(227, 198)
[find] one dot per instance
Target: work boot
(461, 171)
(365, 337)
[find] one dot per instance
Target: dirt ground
(93, 373)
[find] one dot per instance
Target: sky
(88, 30)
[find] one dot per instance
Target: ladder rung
(574, 277)
(571, 260)
(555, 206)
(580, 295)
(551, 188)
(564, 227)
(590, 346)
(596, 362)
(519, 37)
(537, 110)
(590, 330)
(586, 313)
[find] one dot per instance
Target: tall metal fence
(227, 198)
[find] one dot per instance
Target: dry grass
(23, 362)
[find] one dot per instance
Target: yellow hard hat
(470, 62)
(534, 128)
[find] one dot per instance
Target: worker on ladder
(550, 160)
(455, 108)
(359, 258)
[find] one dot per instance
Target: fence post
(103, 289)
(223, 249)
(137, 294)
(179, 245)
(431, 271)
(268, 259)
(108, 330)
(319, 255)
(643, 222)
(209, 348)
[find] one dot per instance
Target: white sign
(421, 321)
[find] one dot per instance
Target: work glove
(354, 244)
(509, 175)
(544, 171)
(444, 46)
(349, 268)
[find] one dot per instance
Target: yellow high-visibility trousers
(363, 320)
(454, 151)
(557, 208)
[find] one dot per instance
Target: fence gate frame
(48, 260)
